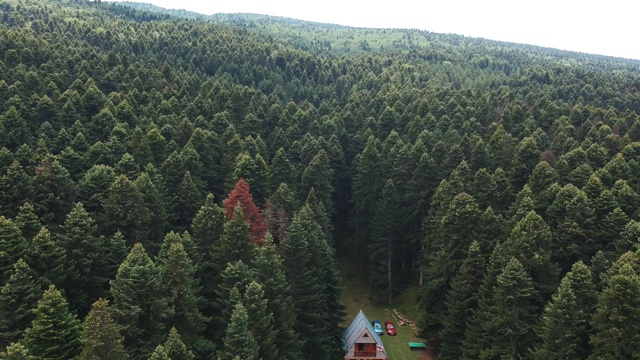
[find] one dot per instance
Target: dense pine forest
(180, 186)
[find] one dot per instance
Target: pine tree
(48, 260)
(28, 221)
(124, 211)
(153, 200)
(159, 354)
(241, 194)
(55, 331)
(140, 304)
(513, 314)
(270, 272)
(16, 351)
(83, 253)
(177, 274)
(238, 340)
(17, 188)
(55, 191)
(261, 321)
(18, 299)
(462, 299)
(100, 336)
(320, 176)
(308, 292)
(175, 348)
(236, 242)
(187, 201)
(616, 322)
(13, 246)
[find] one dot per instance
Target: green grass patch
(355, 296)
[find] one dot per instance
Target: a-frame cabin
(361, 342)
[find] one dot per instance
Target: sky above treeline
(597, 27)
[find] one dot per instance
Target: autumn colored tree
(241, 194)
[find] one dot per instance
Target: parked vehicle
(377, 327)
(391, 329)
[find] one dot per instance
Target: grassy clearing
(355, 297)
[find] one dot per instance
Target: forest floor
(355, 296)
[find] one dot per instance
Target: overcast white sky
(609, 27)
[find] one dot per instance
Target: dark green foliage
(13, 246)
(54, 191)
(140, 303)
(28, 221)
(261, 321)
(462, 299)
(175, 348)
(513, 313)
(18, 299)
(125, 211)
(100, 337)
(238, 341)
(177, 274)
(55, 331)
(615, 322)
(16, 351)
(271, 274)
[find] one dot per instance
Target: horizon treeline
(174, 188)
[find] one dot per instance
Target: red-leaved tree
(241, 193)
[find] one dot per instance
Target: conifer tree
(177, 273)
(55, 191)
(159, 354)
(462, 299)
(55, 331)
(320, 176)
(124, 211)
(100, 337)
(83, 254)
(261, 321)
(241, 195)
(236, 242)
(153, 200)
(308, 292)
(384, 244)
(48, 260)
(16, 351)
(18, 299)
(187, 201)
(13, 246)
(270, 272)
(140, 303)
(16, 188)
(513, 313)
(28, 221)
(175, 348)
(616, 322)
(238, 340)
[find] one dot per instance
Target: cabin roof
(355, 330)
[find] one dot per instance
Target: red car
(391, 330)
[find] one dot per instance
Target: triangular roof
(354, 332)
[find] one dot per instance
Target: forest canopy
(181, 186)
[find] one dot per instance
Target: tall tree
(241, 194)
(238, 340)
(13, 246)
(261, 321)
(140, 303)
(616, 322)
(18, 299)
(175, 348)
(100, 337)
(55, 331)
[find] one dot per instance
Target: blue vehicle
(377, 327)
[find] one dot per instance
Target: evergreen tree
(270, 272)
(159, 354)
(241, 194)
(238, 340)
(513, 314)
(55, 331)
(177, 274)
(16, 351)
(616, 322)
(124, 211)
(16, 187)
(18, 299)
(175, 348)
(100, 336)
(48, 260)
(140, 303)
(187, 201)
(261, 321)
(13, 246)
(83, 254)
(28, 221)
(55, 191)
(384, 244)
(462, 299)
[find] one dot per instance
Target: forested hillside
(177, 187)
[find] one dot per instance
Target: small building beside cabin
(361, 341)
